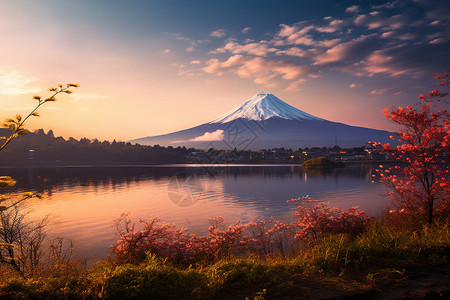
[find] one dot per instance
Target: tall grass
(332, 257)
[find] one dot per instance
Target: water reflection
(83, 201)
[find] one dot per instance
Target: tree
(444, 81)
(419, 184)
(16, 124)
(9, 231)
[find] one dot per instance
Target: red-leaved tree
(444, 81)
(419, 184)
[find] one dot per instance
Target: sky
(157, 66)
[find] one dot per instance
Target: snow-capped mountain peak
(262, 107)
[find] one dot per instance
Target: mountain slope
(262, 107)
(265, 121)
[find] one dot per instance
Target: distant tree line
(39, 148)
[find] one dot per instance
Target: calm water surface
(83, 201)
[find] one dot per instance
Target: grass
(336, 264)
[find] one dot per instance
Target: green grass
(335, 263)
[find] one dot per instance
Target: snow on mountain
(265, 122)
(262, 107)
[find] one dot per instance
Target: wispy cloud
(88, 96)
(17, 83)
(191, 42)
(381, 91)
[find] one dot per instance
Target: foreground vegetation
(336, 263)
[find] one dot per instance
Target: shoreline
(187, 165)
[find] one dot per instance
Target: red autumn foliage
(419, 183)
(444, 81)
(312, 221)
(316, 219)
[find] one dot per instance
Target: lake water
(83, 201)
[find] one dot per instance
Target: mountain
(264, 122)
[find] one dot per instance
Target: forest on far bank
(39, 148)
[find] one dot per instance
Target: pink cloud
(361, 19)
(328, 43)
(381, 91)
(295, 86)
(261, 48)
(375, 20)
(262, 71)
(352, 9)
(219, 33)
(378, 62)
(437, 41)
(333, 26)
(294, 51)
(334, 54)
(296, 34)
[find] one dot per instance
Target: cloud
(302, 33)
(261, 70)
(333, 26)
(381, 91)
(353, 85)
(352, 9)
(387, 5)
(195, 62)
(415, 61)
(438, 41)
(261, 48)
(219, 33)
(87, 96)
(192, 43)
(296, 34)
(398, 35)
(246, 29)
(376, 20)
(166, 51)
(17, 83)
(384, 41)
(209, 136)
(294, 86)
(343, 52)
(293, 51)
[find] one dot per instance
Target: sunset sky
(158, 66)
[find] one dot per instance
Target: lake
(82, 202)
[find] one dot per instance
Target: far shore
(188, 165)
